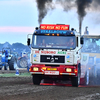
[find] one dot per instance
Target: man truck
(51, 56)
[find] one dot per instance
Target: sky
(18, 18)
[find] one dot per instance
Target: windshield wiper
(64, 49)
(40, 48)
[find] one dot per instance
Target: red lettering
(44, 52)
(41, 51)
(51, 52)
(48, 52)
(54, 52)
(36, 51)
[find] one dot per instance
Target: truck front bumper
(59, 73)
(61, 70)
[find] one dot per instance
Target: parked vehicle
(7, 60)
(24, 60)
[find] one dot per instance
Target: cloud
(16, 29)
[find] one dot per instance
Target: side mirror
(82, 40)
(28, 41)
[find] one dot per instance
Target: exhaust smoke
(98, 1)
(66, 4)
(81, 7)
(43, 7)
(81, 10)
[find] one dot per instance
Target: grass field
(14, 75)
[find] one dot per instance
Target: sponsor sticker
(61, 52)
(48, 52)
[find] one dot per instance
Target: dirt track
(21, 88)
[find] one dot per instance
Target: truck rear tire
(12, 64)
(36, 79)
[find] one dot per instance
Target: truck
(51, 57)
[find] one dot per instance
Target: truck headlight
(68, 69)
(35, 69)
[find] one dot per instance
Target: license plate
(51, 72)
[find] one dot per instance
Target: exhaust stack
(80, 26)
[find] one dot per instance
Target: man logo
(52, 59)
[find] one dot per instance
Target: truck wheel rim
(23, 63)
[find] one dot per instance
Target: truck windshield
(54, 42)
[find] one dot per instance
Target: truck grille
(52, 59)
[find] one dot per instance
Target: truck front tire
(76, 80)
(36, 79)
